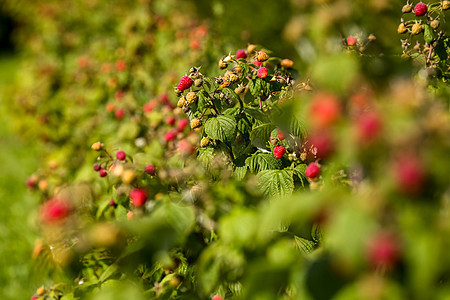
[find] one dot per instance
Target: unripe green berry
(407, 8)
(435, 24)
(198, 82)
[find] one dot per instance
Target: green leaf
(304, 245)
(299, 171)
(256, 114)
(222, 128)
(263, 161)
(441, 50)
(276, 182)
(230, 94)
(209, 84)
(205, 156)
(260, 135)
(254, 86)
(298, 129)
(203, 98)
(108, 272)
(428, 34)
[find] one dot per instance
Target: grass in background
(18, 160)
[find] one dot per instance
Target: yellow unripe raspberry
(40, 291)
(181, 102)
(97, 146)
(191, 97)
(262, 56)
(416, 29)
(401, 28)
(204, 142)
(195, 122)
(251, 48)
(128, 176)
(445, 5)
(287, 63)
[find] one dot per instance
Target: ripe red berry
(120, 155)
(185, 83)
(409, 174)
(257, 63)
(32, 181)
(110, 107)
(278, 151)
(216, 297)
(119, 95)
(420, 9)
(383, 250)
(170, 121)
(368, 127)
(281, 135)
(102, 172)
(351, 41)
(112, 203)
(241, 54)
(325, 110)
(55, 210)
(120, 113)
(120, 65)
(312, 171)
(150, 169)
(182, 124)
(170, 136)
(164, 98)
(138, 197)
(96, 167)
(262, 72)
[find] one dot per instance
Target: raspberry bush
(177, 167)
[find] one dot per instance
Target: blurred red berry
(278, 151)
(257, 63)
(138, 197)
(150, 169)
(420, 9)
(383, 250)
(320, 145)
(110, 107)
(351, 41)
(102, 172)
(312, 171)
(120, 113)
(280, 135)
(120, 155)
(185, 83)
(55, 210)
(119, 95)
(170, 121)
(170, 136)
(96, 167)
(34, 298)
(368, 127)
(241, 54)
(325, 110)
(83, 62)
(164, 98)
(409, 174)
(120, 65)
(112, 203)
(185, 147)
(217, 298)
(32, 181)
(262, 72)
(182, 124)
(194, 44)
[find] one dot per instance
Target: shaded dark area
(7, 25)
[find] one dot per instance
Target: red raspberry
(112, 203)
(312, 171)
(182, 124)
(96, 167)
(170, 136)
(351, 41)
(170, 121)
(164, 98)
(280, 135)
(120, 155)
(110, 107)
(31, 181)
(185, 83)
(217, 298)
(138, 197)
(420, 9)
(383, 250)
(258, 63)
(55, 210)
(409, 174)
(120, 65)
(325, 110)
(262, 72)
(120, 113)
(150, 169)
(279, 151)
(368, 127)
(119, 95)
(241, 54)
(102, 172)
